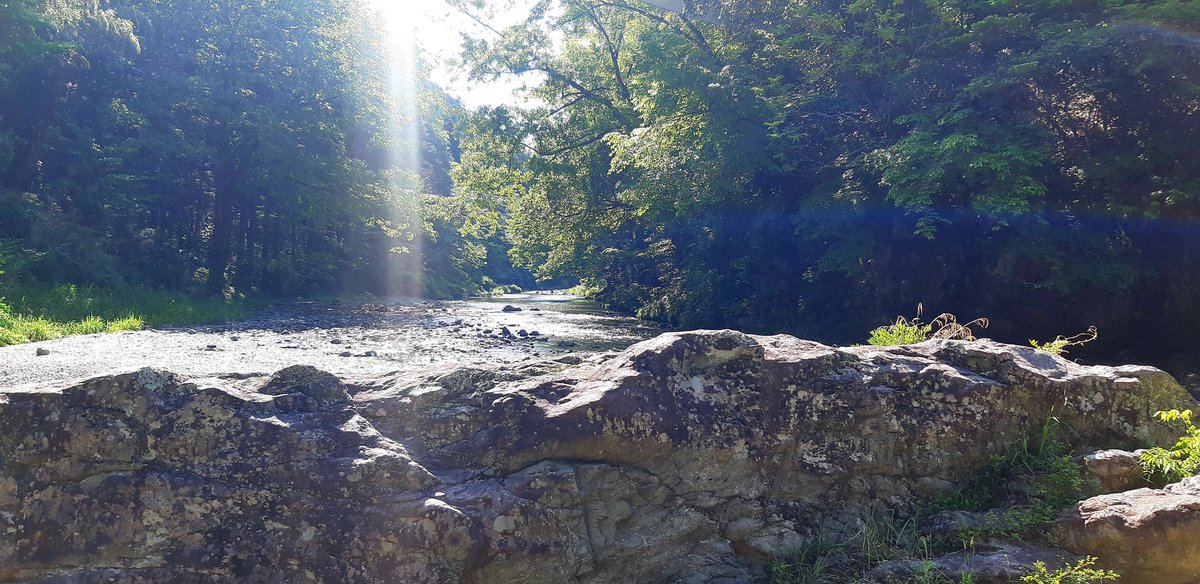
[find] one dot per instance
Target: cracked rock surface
(691, 457)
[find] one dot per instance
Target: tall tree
(818, 167)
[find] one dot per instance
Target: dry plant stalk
(946, 326)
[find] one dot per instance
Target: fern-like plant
(1170, 465)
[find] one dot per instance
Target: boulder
(693, 457)
(146, 478)
(1116, 470)
(1149, 536)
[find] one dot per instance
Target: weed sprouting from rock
(907, 332)
(1059, 345)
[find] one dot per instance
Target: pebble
(42, 352)
(347, 354)
(511, 308)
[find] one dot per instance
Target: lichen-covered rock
(145, 476)
(1149, 536)
(694, 457)
(1116, 470)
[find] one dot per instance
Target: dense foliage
(815, 167)
(1180, 461)
(805, 167)
(229, 147)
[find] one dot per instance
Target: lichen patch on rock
(694, 456)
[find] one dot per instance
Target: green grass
(1030, 484)
(900, 333)
(42, 314)
(844, 559)
(1025, 488)
(910, 332)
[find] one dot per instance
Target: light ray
(402, 19)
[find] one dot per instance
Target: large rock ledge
(693, 457)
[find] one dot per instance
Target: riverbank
(42, 314)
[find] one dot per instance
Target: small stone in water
(347, 354)
(42, 352)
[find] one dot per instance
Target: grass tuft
(908, 332)
(42, 314)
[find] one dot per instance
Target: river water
(347, 339)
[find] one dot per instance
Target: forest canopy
(818, 167)
(239, 147)
(811, 167)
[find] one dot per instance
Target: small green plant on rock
(1025, 488)
(1058, 346)
(1081, 573)
(1170, 465)
(844, 558)
(907, 332)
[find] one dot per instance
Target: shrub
(10, 337)
(1170, 465)
(1080, 573)
(505, 289)
(908, 332)
(901, 332)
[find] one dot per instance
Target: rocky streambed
(689, 457)
(346, 339)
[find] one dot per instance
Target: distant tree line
(820, 167)
(226, 146)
